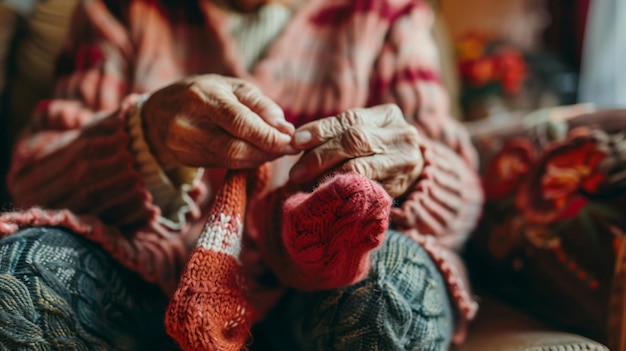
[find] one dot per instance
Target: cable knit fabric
(60, 292)
(402, 305)
(332, 55)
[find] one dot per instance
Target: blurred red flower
(484, 62)
(507, 169)
(558, 186)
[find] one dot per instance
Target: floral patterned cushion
(555, 188)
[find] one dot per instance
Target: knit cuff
(170, 191)
(445, 202)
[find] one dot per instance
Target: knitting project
(211, 310)
(303, 239)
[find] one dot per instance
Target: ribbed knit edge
(440, 212)
(112, 177)
(173, 199)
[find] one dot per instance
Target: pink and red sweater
(77, 166)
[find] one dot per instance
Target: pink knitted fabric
(323, 239)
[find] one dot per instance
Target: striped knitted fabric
(210, 310)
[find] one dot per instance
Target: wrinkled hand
(375, 142)
(215, 121)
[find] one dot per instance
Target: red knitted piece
(326, 236)
(211, 309)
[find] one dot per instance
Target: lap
(60, 291)
(402, 305)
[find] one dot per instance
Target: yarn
(311, 241)
(211, 309)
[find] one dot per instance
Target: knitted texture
(325, 242)
(210, 310)
(402, 305)
(430, 225)
(331, 56)
(153, 253)
(324, 238)
(59, 291)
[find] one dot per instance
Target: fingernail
(303, 137)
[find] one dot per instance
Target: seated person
(157, 101)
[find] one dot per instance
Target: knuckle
(402, 172)
(237, 116)
(350, 118)
(326, 129)
(236, 150)
(245, 88)
(415, 157)
(413, 163)
(356, 142)
(411, 137)
(272, 141)
(238, 121)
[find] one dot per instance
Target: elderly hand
(215, 121)
(375, 142)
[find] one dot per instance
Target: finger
(241, 122)
(396, 172)
(197, 148)
(263, 106)
(318, 132)
(318, 161)
(356, 142)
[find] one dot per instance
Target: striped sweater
(77, 166)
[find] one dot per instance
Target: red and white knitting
(303, 238)
(211, 309)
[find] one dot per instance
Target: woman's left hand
(375, 142)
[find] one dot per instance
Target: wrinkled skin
(215, 122)
(375, 142)
(219, 122)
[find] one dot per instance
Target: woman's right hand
(215, 121)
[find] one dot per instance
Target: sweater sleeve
(81, 157)
(446, 200)
(78, 151)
